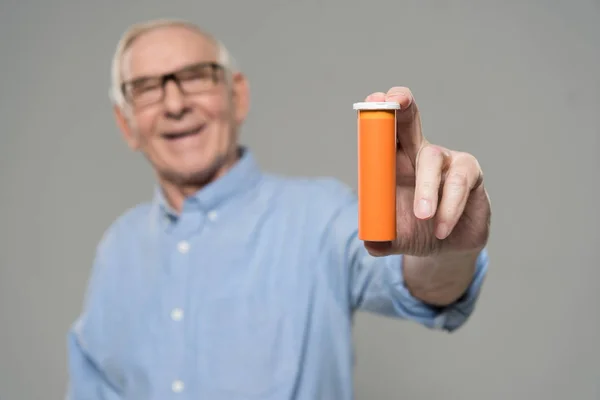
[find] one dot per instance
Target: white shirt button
(177, 386)
(439, 321)
(177, 314)
(212, 215)
(183, 247)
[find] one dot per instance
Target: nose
(174, 100)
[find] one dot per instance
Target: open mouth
(176, 135)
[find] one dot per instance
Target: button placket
(181, 249)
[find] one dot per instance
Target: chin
(197, 175)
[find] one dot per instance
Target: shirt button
(177, 314)
(439, 321)
(212, 215)
(177, 386)
(183, 247)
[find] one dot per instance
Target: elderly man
(237, 284)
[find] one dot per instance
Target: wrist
(440, 279)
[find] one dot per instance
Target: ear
(123, 124)
(241, 97)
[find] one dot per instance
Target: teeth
(182, 134)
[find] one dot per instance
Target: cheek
(217, 108)
(145, 125)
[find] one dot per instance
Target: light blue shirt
(249, 293)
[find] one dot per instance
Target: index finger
(408, 121)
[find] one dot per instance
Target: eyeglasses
(192, 79)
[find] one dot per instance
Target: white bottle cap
(376, 105)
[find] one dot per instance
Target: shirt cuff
(453, 316)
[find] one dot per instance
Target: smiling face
(186, 127)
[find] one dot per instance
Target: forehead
(165, 49)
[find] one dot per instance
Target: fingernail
(425, 208)
(442, 231)
(396, 97)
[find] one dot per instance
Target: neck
(176, 192)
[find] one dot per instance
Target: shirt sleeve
(86, 380)
(376, 284)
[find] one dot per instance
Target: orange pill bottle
(376, 170)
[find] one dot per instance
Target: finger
(378, 249)
(377, 97)
(432, 161)
(403, 96)
(462, 176)
(408, 121)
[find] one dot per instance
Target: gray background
(514, 82)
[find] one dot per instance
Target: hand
(441, 202)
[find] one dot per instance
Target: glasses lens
(198, 79)
(144, 92)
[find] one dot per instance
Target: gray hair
(115, 94)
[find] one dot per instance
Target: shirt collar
(243, 175)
